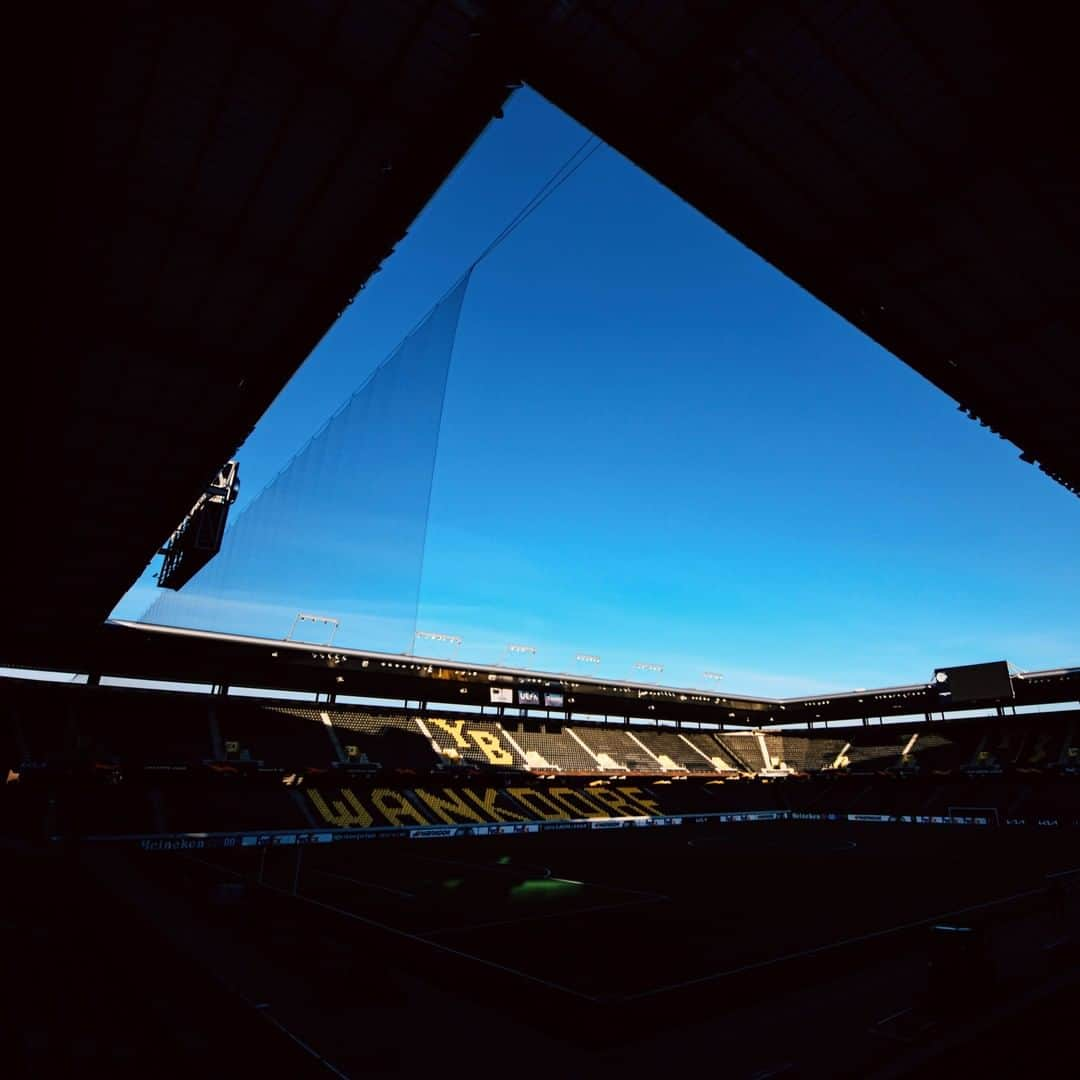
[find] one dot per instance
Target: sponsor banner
(514, 828)
(291, 838)
(304, 838)
(553, 701)
(502, 695)
(165, 843)
(529, 697)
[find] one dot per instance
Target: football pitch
(635, 915)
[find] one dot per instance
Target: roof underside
(138, 651)
(214, 191)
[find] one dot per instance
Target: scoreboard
(974, 682)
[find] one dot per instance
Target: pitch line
(300, 1042)
(758, 964)
(363, 884)
(433, 944)
(262, 1008)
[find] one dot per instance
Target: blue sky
(657, 448)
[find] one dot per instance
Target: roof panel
(910, 165)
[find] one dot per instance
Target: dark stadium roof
(211, 191)
(140, 651)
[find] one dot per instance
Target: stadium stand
(549, 746)
(773, 750)
(1070, 749)
(10, 737)
(390, 738)
(144, 727)
(277, 735)
(808, 753)
(1006, 744)
(677, 753)
(743, 748)
(158, 762)
(1042, 748)
(616, 750)
(938, 751)
(135, 727)
(722, 759)
(469, 740)
(232, 806)
(873, 749)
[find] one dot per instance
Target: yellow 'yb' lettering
(453, 729)
(491, 748)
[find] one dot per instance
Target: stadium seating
(678, 753)
(553, 747)
(941, 750)
(810, 753)
(467, 739)
(1043, 747)
(140, 727)
(722, 759)
(743, 749)
(617, 750)
(146, 760)
(774, 750)
(874, 749)
(390, 738)
(275, 734)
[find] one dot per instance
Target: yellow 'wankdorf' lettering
(339, 815)
(652, 808)
(620, 805)
(393, 806)
(452, 804)
(486, 802)
(568, 797)
(539, 804)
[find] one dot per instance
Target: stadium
(234, 841)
